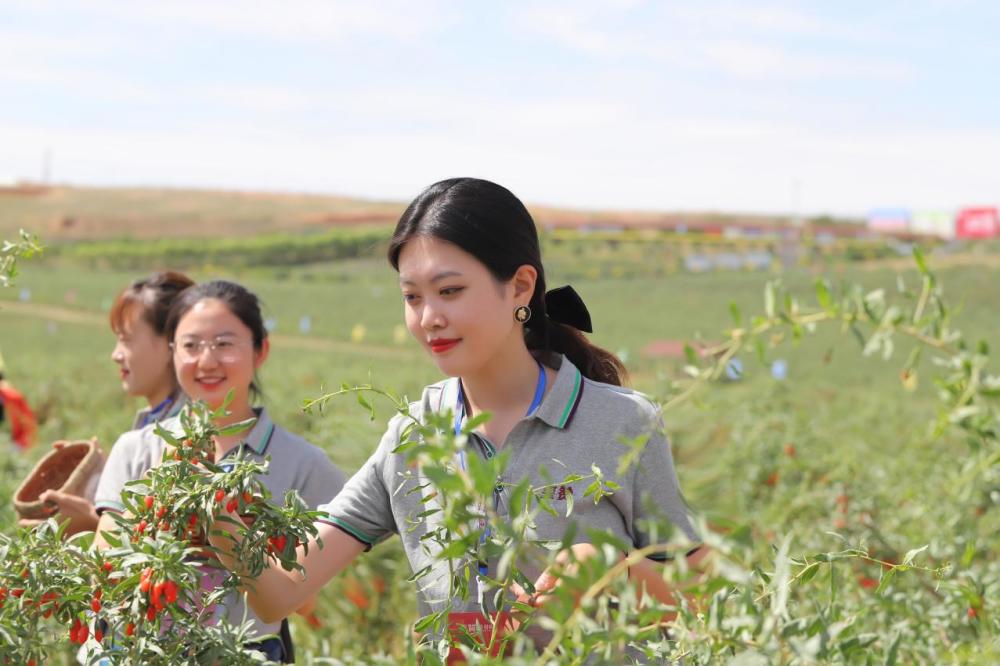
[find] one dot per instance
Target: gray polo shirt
(579, 423)
(294, 464)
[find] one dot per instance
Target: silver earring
(522, 313)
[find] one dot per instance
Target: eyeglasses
(224, 350)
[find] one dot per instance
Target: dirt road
(66, 315)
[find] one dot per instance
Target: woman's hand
(79, 510)
(566, 563)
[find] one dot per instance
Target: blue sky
(764, 107)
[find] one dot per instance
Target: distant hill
(65, 213)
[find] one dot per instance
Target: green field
(855, 430)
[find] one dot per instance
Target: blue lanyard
(460, 416)
(536, 401)
(154, 413)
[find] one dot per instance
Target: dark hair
(490, 223)
(154, 294)
(241, 302)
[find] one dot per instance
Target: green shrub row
(280, 249)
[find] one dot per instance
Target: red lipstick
(441, 345)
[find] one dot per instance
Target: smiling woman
(219, 342)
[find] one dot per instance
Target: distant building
(940, 223)
(889, 220)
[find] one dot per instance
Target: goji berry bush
(821, 552)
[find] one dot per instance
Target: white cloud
(311, 20)
(764, 61)
(736, 40)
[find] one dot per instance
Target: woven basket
(73, 468)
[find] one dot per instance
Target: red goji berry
(220, 495)
(95, 605)
(232, 505)
(170, 591)
(130, 629)
(107, 566)
(155, 597)
(149, 501)
(162, 511)
(151, 613)
(247, 497)
(98, 635)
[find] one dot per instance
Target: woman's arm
(646, 574)
(277, 593)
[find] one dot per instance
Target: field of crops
(819, 483)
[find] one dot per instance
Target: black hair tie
(565, 306)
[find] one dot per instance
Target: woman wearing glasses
(145, 365)
(219, 343)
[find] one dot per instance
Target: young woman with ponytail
(475, 297)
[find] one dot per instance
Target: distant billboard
(888, 220)
(981, 222)
(940, 223)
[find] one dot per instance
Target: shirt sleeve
(121, 467)
(323, 480)
(659, 509)
(363, 508)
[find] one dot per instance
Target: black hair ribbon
(564, 305)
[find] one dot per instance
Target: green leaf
(908, 558)
(823, 295)
(235, 428)
(737, 316)
(476, 421)
(365, 404)
(425, 622)
(809, 573)
(886, 579)
(690, 355)
(893, 651)
(918, 256)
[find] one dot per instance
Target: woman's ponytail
(558, 321)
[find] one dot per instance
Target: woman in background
(145, 365)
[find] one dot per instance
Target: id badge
(474, 627)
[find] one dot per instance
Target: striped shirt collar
(558, 406)
(259, 437)
(169, 408)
